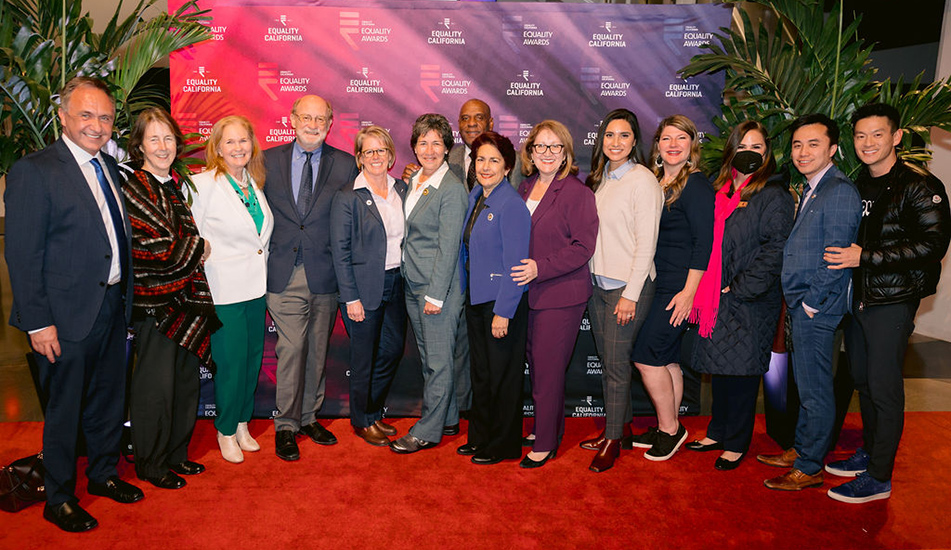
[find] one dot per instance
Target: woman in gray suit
(435, 204)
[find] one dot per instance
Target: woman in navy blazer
(495, 240)
(366, 235)
(563, 236)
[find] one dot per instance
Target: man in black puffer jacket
(904, 234)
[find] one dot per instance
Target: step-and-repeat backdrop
(386, 63)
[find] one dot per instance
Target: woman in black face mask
(739, 298)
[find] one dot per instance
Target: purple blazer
(564, 231)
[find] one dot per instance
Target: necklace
(245, 195)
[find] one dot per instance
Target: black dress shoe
(409, 443)
(701, 448)
(116, 489)
(285, 445)
(468, 449)
(451, 430)
(318, 434)
(485, 459)
(529, 463)
(187, 468)
(69, 516)
(528, 441)
(170, 480)
(724, 464)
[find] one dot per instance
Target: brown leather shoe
(794, 480)
(373, 436)
(607, 454)
(596, 443)
(385, 428)
(784, 460)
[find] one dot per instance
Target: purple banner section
(388, 62)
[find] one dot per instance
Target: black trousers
(734, 410)
(163, 401)
(86, 388)
(876, 339)
(497, 371)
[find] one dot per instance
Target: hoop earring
(689, 163)
(658, 162)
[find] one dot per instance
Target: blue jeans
(813, 347)
(376, 347)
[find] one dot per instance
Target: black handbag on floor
(21, 483)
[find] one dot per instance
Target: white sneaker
(230, 450)
(245, 441)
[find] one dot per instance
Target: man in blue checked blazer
(817, 297)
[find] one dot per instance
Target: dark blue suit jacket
(57, 249)
(499, 241)
(337, 170)
(358, 245)
(830, 218)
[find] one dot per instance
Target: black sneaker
(645, 440)
(666, 444)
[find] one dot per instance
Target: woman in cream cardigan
(233, 217)
(629, 206)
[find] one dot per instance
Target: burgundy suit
(564, 231)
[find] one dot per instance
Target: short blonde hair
(379, 133)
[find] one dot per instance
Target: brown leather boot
(607, 454)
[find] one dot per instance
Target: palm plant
(44, 43)
(799, 60)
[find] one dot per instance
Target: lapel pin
(369, 202)
(936, 199)
(425, 191)
(490, 216)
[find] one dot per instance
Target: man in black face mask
(896, 261)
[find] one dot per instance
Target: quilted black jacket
(903, 237)
(753, 241)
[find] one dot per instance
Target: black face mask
(747, 162)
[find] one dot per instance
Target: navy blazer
(498, 242)
(830, 218)
(564, 235)
(358, 245)
(57, 249)
(337, 169)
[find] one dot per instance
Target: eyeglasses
(373, 152)
(307, 119)
(555, 148)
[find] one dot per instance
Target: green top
(250, 202)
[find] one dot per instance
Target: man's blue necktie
(116, 216)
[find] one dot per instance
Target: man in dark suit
(301, 285)
(68, 253)
(817, 297)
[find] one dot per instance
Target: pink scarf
(707, 300)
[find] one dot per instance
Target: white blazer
(237, 266)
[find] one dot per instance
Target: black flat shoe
(116, 489)
(724, 464)
(529, 463)
(528, 441)
(170, 480)
(187, 468)
(468, 449)
(451, 430)
(69, 516)
(701, 448)
(485, 459)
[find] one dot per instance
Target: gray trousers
(304, 323)
(614, 344)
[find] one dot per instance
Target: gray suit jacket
(57, 249)
(432, 238)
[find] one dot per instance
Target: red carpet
(353, 495)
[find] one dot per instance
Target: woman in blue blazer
(366, 235)
(495, 239)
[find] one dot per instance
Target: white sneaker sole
(842, 473)
(858, 500)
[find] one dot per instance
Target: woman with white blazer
(233, 217)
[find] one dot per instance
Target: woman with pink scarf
(739, 298)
